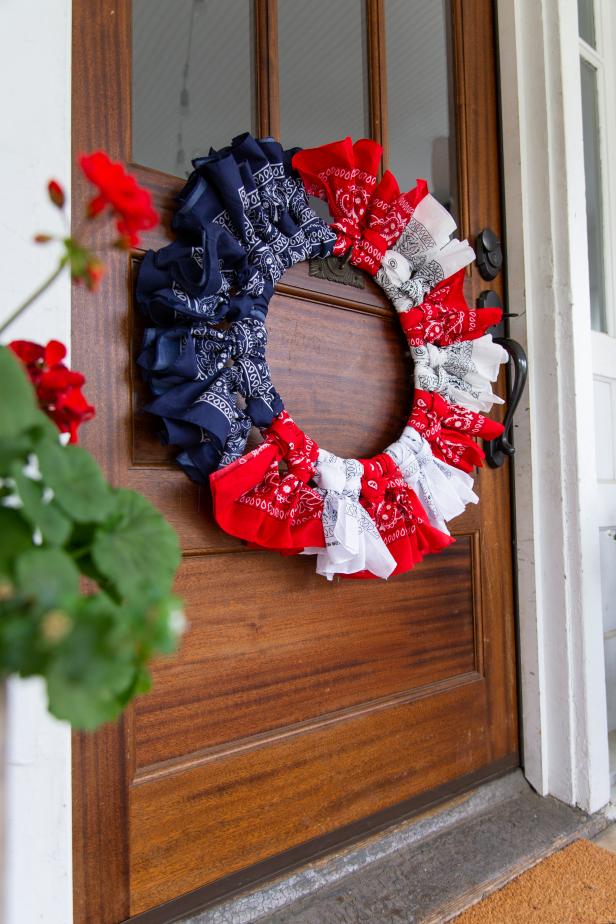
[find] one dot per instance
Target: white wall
(35, 145)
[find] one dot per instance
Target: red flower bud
(56, 193)
(95, 270)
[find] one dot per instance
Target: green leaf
(54, 526)
(82, 704)
(76, 480)
(12, 450)
(136, 547)
(48, 575)
(94, 670)
(21, 651)
(18, 408)
(43, 426)
(15, 538)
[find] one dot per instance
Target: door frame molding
(562, 672)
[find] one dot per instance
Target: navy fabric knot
(242, 219)
(197, 376)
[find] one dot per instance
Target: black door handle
(498, 449)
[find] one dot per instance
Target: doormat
(576, 885)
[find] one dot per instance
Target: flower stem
(32, 298)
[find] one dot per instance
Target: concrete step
(422, 871)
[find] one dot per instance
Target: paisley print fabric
(344, 175)
(423, 256)
(444, 317)
(462, 372)
(443, 490)
(255, 501)
(352, 540)
(398, 515)
(242, 220)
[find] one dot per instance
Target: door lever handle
(498, 449)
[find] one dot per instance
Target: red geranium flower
(129, 202)
(58, 389)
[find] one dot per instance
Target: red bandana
(450, 429)
(344, 174)
(444, 317)
(398, 514)
(253, 501)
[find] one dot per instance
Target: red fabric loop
(298, 450)
(450, 429)
(445, 318)
(253, 501)
(386, 222)
(344, 174)
(375, 479)
(399, 517)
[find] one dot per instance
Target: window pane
(421, 139)
(323, 73)
(594, 213)
(586, 21)
(192, 79)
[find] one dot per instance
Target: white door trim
(561, 645)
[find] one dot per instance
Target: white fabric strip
(423, 255)
(443, 491)
(461, 372)
(352, 541)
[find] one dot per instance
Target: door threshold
(423, 870)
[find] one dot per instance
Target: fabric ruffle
(389, 213)
(444, 317)
(450, 429)
(423, 256)
(255, 502)
(344, 175)
(243, 218)
(196, 376)
(352, 541)
(281, 193)
(443, 491)
(396, 511)
(462, 372)
(182, 282)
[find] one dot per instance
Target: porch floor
(423, 871)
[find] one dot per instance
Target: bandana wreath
(242, 219)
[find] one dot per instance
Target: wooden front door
(297, 714)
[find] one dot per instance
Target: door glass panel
(421, 135)
(586, 21)
(323, 71)
(192, 79)
(594, 212)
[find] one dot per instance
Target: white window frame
(601, 59)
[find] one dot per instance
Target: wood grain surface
(294, 708)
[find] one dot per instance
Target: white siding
(35, 119)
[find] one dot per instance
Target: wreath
(242, 219)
